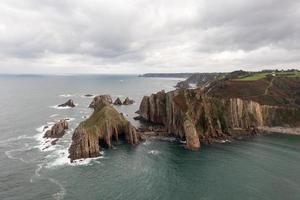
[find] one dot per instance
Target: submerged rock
(69, 103)
(118, 102)
(99, 99)
(88, 95)
(128, 101)
(105, 125)
(57, 130)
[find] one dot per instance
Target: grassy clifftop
(268, 88)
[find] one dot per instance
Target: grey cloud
(148, 35)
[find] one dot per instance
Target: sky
(140, 36)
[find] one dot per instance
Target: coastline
(280, 129)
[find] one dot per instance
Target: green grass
(261, 75)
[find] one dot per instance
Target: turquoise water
(263, 167)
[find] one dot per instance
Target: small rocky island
(69, 103)
(104, 126)
(57, 131)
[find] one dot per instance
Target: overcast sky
(138, 36)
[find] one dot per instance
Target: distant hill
(167, 75)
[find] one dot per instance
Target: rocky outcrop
(182, 85)
(69, 103)
(57, 130)
(99, 131)
(197, 117)
(128, 101)
(98, 99)
(118, 102)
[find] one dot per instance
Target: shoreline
(281, 130)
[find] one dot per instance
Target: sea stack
(99, 131)
(57, 130)
(69, 103)
(118, 102)
(128, 101)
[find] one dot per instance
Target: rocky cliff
(201, 116)
(105, 125)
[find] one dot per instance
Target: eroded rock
(57, 130)
(128, 101)
(118, 102)
(99, 99)
(103, 127)
(69, 103)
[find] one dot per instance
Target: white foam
(59, 195)
(67, 95)
(154, 152)
(88, 97)
(63, 107)
(54, 115)
(147, 142)
(15, 139)
(10, 155)
(223, 141)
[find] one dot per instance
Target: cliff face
(105, 125)
(195, 116)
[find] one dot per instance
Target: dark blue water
(263, 167)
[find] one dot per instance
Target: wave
(147, 142)
(154, 152)
(7, 141)
(67, 95)
(54, 115)
(62, 108)
(87, 97)
(58, 195)
(9, 153)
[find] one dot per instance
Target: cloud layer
(137, 36)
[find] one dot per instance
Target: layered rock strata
(196, 117)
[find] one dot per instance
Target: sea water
(262, 167)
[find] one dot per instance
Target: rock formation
(203, 115)
(57, 130)
(105, 125)
(99, 99)
(128, 101)
(69, 103)
(118, 102)
(182, 85)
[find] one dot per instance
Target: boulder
(118, 102)
(69, 103)
(57, 130)
(128, 101)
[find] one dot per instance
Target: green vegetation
(98, 120)
(261, 75)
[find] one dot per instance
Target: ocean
(261, 167)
